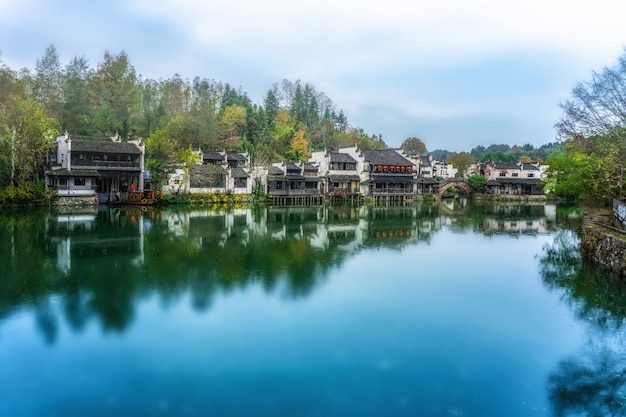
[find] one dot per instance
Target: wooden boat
(136, 198)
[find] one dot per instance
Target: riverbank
(601, 242)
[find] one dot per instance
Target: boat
(136, 198)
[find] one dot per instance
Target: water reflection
(89, 265)
(592, 381)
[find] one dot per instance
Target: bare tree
(596, 107)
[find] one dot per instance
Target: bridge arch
(453, 182)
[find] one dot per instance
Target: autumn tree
(299, 150)
(413, 146)
(461, 161)
(232, 126)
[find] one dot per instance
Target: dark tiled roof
(341, 157)
(239, 173)
(310, 167)
(236, 157)
(530, 167)
(74, 173)
(385, 157)
(213, 156)
(506, 165)
(292, 166)
(274, 170)
(424, 161)
(201, 176)
(104, 145)
(344, 178)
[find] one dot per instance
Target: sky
(455, 73)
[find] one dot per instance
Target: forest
(177, 117)
(173, 115)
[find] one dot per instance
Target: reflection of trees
(99, 269)
(592, 382)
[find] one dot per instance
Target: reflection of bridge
(453, 183)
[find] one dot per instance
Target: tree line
(173, 115)
(592, 131)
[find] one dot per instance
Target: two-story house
(218, 172)
(338, 171)
(387, 174)
(511, 178)
(95, 167)
(293, 182)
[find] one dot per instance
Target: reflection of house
(512, 178)
(83, 166)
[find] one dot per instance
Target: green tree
(47, 82)
(590, 170)
(413, 146)
(116, 97)
(29, 139)
(461, 161)
(477, 182)
(77, 111)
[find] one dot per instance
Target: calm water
(457, 310)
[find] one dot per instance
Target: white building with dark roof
(94, 167)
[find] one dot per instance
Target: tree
(593, 131)
(232, 126)
(48, 82)
(116, 95)
(30, 138)
(462, 161)
(299, 147)
(413, 146)
(498, 156)
(597, 106)
(271, 104)
(590, 170)
(477, 182)
(76, 111)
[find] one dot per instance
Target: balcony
(106, 164)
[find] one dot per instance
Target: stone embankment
(602, 242)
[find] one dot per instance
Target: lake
(453, 309)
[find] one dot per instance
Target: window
(503, 174)
(515, 174)
(531, 174)
(79, 181)
(241, 182)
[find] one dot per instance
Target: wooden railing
(106, 164)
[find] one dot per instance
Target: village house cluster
(93, 168)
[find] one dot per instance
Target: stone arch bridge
(453, 183)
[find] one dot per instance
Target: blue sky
(455, 73)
